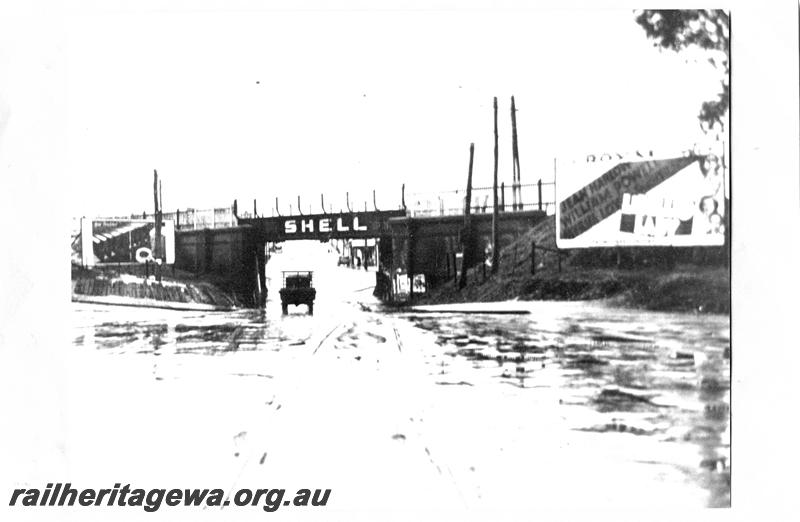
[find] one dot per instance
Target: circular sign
(144, 254)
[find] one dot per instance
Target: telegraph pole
(466, 239)
(495, 209)
(516, 188)
(157, 239)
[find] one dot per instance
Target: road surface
(573, 405)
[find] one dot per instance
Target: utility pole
(516, 188)
(157, 239)
(466, 238)
(495, 209)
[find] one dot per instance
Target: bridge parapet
(535, 196)
(451, 225)
(345, 225)
(195, 219)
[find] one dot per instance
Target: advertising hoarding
(641, 200)
(402, 286)
(419, 283)
(115, 240)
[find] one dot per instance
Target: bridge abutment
(231, 258)
(234, 258)
(426, 245)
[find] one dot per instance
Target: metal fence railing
(202, 218)
(189, 218)
(533, 196)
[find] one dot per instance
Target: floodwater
(574, 405)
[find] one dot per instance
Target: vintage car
(343, 260)
(297, 289)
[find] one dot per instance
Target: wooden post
(533, 257)
(516, 187)
(157, 237)
(156, 242)
(160, 268)
(539, 184)
(255, 208)
(503, 196)
(495, 209)
(466, 240)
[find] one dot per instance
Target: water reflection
(662, 377)
(210, 335)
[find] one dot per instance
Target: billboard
(402, 286)
(121, 241)
(419, 283)
(641, 200)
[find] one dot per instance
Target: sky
(244, 103)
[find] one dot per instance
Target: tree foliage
(708, 30)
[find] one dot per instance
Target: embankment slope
(654, 279)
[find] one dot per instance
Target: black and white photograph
(406, 261)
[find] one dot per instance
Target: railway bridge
(405, 243)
